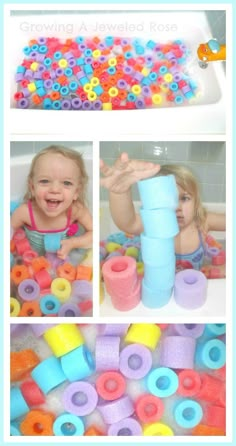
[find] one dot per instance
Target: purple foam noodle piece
(146, 91)
(122, 84)
(82, 289)
(138, 76)
(124, 41)
(139, 103)
(28, 290)
(177, 352)
(101, 46)
(17, 329)
(97, 104)
(71, 63)
(59, 71)
(42, 68)
(177, 77)
(42, 40)
(88, 60)
(87, 105)
(103, 252)
(80, 398)
(37, 75)
(23, 103)
(125, 427)
(107, 353)
(192, 330)
(112, 329)
(183, 47)
(19, 77)
(190, 289)
(80, 74)
(82, 47)
(135, 361)
(76, 103)
(54, 260)
(48, 84)
(39, 329)
(69, 310)
(66, 104)
(116, 410)
(102, 58)
(68, 55)
(211, 251)
(29, 74)
(149, 59)
(186, 89)
(128, 70)
(33, 55)
(40, 57)
(26, 92)
(170, 55)
(53, 74)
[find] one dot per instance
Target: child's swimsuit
(193, 259)
(36, 236)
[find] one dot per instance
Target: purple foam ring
(68, 55)
(80, 398)
(177, 352)
(76, 103)
(42, 68)
(112, 329)
(87, 105)
(211, 251)
(97, 105)
(107, 353)
(82, 289)
(33, 55)
(159, 192)
(190, 289)
(186, 89)
(26, 92)
(82, 47)
(17, 329)
(177, 77)
(29, 74)
(69, 310)
(40, 57)
(122, 84)
(28, 290)
(59, 71)
(124, 42)
(135, 361)
(48, 84)
(146, 91)
(160, 223)
(23, 103)
(128, 70)
(138, 76)
(37, 75)
(39, 329)
(71, 63)
(192, 330)
(66, 104)
(88, 60)
(42, 40)
(139, 103)
(126, 427)
(116, 410)
(53, 74)
(102, 59)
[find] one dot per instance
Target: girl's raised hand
(125, 172)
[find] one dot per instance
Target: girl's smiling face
(186, 208)
(55, 183)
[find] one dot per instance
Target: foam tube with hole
(49, 304)
(211, 354)
(192, 330)
(145, 334)
(189, 382)
(149, 408)
(155, 298)
(190, 289)
(159, 223)
(215, 416)
(177, 352)
(162, 382)
(68, 425)
(120, 275)
(48, 374)
(63, 338)
(78, 364)
(135, 361)
(69, 310)
(126, 427)
(80, 398)
(159, 192)
(159, 277)
(110, 385)
(107, 353)
(188, 413)
(112, 329)
(115, 411)
(128, 300)
(18, 405)
(28, 290)
(157, 251)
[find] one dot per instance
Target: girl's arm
(216, 222)
(20, 217)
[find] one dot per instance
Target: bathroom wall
(28, 147)
(205, 159)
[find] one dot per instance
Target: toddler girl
(193, 220)
(55, 201)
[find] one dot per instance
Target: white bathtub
(215, 305)
(19, 169)
(206, 117)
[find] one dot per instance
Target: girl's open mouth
(53, 204)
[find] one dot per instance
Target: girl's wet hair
(187, 181)
(69, 154)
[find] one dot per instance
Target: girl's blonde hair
(69, 154)
(187, 181)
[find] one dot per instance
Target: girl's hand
(125, 172)
(66, 247)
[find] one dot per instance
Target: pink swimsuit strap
(33, 224)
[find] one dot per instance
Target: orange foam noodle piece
(19, 273)
(84, 272)
(203, 430)
(67, 271)
(12, 246)
(40, 263)
(22, 363)
(96, 39)
(37, 423)
(93, 431)
(30, 309)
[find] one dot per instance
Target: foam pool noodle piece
(215, 416)
(14, 205)
(120, 275)
(211, 389)
(177, 352)
(22, 363)
(203, 430)
(88, 259)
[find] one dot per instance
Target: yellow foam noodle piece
(146, 334)
(14, 307)
(107, 106)
(157, 429)
(63, 338)
(61, 288)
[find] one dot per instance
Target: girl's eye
(67, 183)
(185, 198)
(44, 181)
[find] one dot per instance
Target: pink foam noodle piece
(177, 352)
(215, 416)
(107, 353)
(120, 275)
(129, 299)
(190, 289)
(212, 390)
